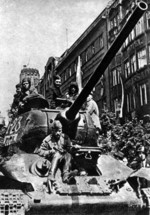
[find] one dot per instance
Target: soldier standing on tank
(27, 91)
(16, 100)
(56, 147)
(55, 91)
(92, 108)
(73, 91)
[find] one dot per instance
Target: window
(127, 69)
(72, 68)
(62, 78)
(65, 76)
(114, 22)
(75, 66)
(86, 56)
(93, 49)
(127, 41)
(83, 57)
(116, 105)
(128, 102)
(69, 69)
(118, 74)
(48, 78)
(133, 64)
(143, 94)
(132, 34)
(140, 26)
(131, 101)
(149, 53)
(142, 58)
(134, 101)
(67, 73)
(114, 74)
(148, 19)
(89, 52)
(101, 42)
(96, 44)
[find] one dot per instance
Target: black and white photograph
(75, 107)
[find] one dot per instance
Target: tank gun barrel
(140, 8)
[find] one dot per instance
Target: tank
(109, 187)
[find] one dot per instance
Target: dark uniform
(73, 91)
(55, 92)
(16, 100)
(27, 91)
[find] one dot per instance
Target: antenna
(28, 62)
(67, 38)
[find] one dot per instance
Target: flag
(79, 74)
(122, 98)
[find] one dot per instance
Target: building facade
(46, 82)
(87, 52)
(84, 55)
(129, 70)
(124, 87)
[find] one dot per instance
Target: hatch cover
(85, 185)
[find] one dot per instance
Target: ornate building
(33, 74)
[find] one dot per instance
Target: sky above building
(33, 30)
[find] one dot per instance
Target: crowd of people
(129, 142)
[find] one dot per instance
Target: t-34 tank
(104, 190)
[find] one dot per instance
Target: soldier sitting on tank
(16, 100)
(55, 91)
(73, 91)
(56, 147)
(92, 108)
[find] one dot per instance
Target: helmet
(26, 80)
(57, 80)
(75, 85)
(56, 125)
(18, 85)
(56, 77)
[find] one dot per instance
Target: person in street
(139, 159)
(73, 91)
(16, 100)
(92, 108)
(56, 147)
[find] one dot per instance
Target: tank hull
(123, 202)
